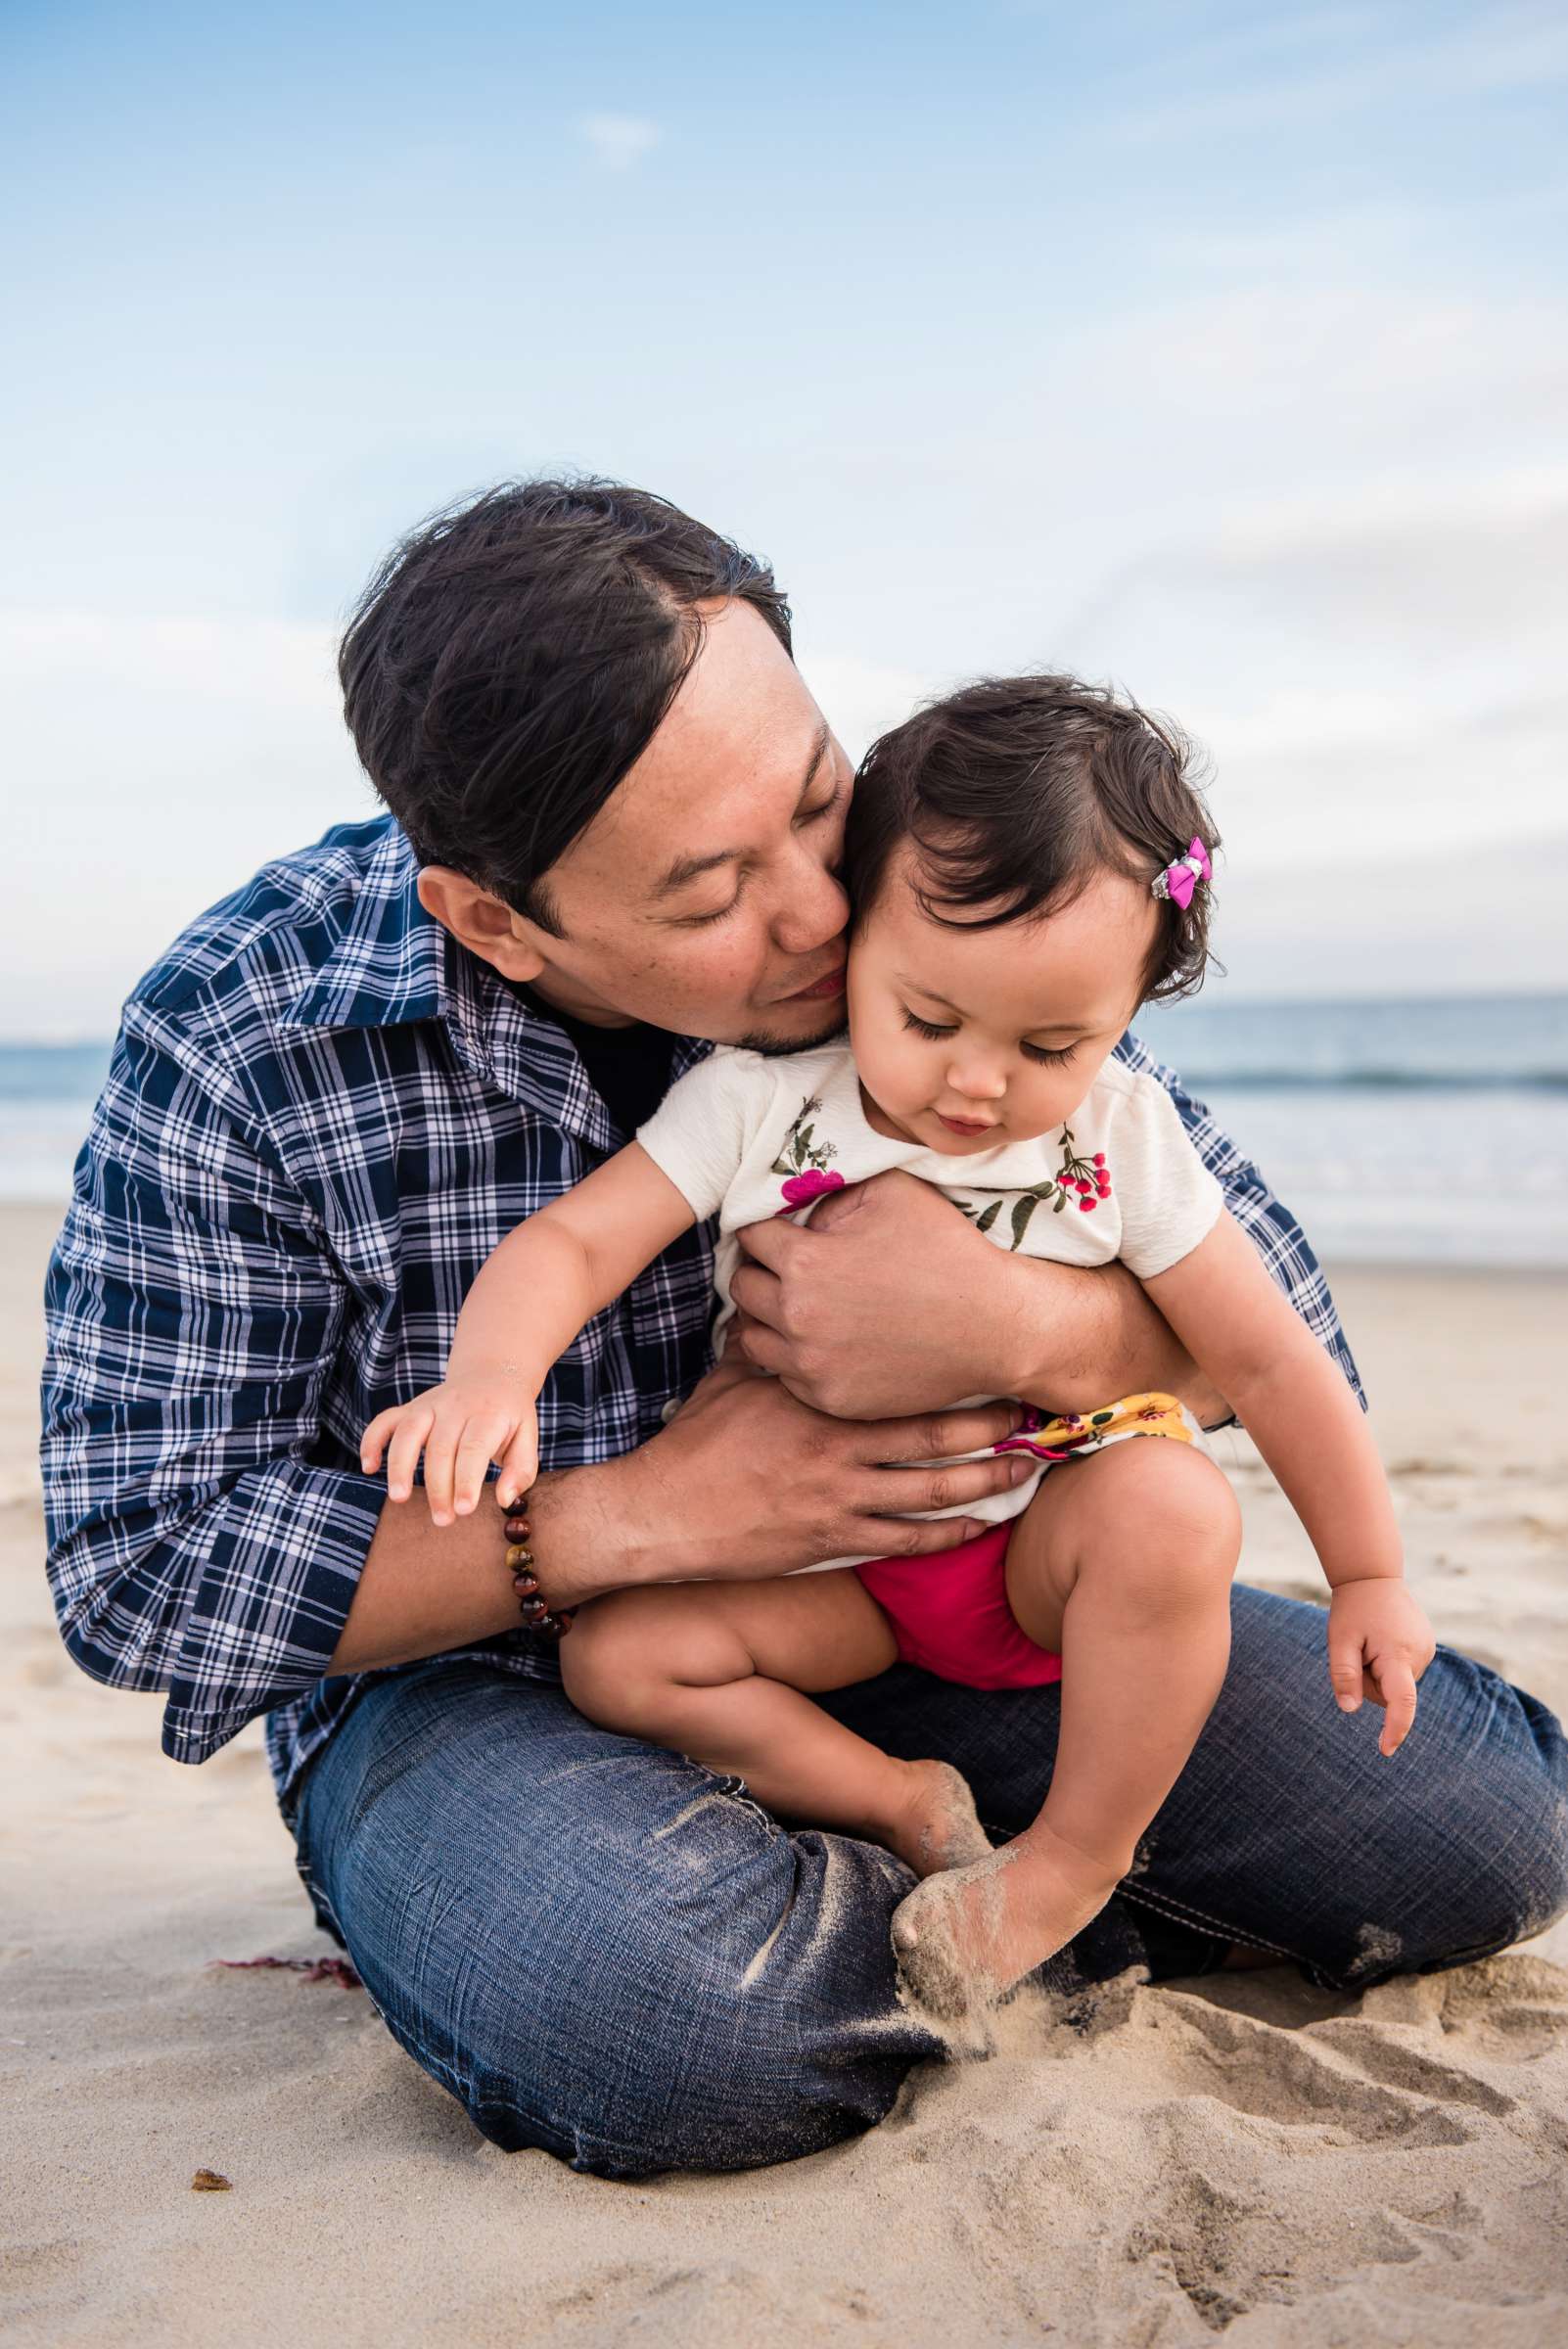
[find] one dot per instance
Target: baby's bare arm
(1310, 1429)
(541, 1286)
(1291, 1399)
(563, 1264)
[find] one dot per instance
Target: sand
(1244, 2156)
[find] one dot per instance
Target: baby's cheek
(883, 1067)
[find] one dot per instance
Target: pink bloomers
(950, 1615)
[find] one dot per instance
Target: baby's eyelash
(1050, 1059)
(926, 1028)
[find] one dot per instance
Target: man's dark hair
(512, 657)
(1014, 791)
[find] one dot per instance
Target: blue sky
(1222, 350)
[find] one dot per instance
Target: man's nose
(812, 908)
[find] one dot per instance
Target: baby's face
(965, 1038)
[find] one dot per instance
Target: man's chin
(830, 1025)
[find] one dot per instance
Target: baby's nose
(977, 1082)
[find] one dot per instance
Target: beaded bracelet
(535, 1613)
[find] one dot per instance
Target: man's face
(703, 895)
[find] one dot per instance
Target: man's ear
(480, 921)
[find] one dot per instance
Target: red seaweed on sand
(309, 1969)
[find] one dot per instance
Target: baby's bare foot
(936, 1826)
(963, 1939)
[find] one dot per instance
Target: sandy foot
(964, 1938)
(939, 1829)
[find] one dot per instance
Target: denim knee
(1524, 1888)
(598, 1947)
(676, 2056)
(1497, 1872)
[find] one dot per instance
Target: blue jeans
(610, 1951)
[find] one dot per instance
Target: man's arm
(745, 1483)
(200, 1540)
(888, 1299)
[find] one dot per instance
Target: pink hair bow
(1179, 880)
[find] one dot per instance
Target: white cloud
(619, 141)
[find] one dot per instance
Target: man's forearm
(1082, 1336)
(426, 1588)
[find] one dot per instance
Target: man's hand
(1379, 1645)
(890, 1301)
(746, 1482)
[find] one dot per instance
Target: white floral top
(745, 1136)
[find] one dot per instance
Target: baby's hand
(1379, 1645)
(460, 1426)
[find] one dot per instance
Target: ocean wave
(1195, 1075)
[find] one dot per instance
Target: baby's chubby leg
(720, 1669)
(1123, 1564)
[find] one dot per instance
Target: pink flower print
(801, 1190)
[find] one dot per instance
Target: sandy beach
(1244, 2155)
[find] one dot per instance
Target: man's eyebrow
(687, 868)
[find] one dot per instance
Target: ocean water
(1400, 1132)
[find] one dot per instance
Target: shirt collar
(395, 964)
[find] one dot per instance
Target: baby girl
(1027, 863)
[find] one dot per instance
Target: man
(618, 822)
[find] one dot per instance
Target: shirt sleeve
(198, 1544)
(701, 1132)
(1168, 1199)
(1266, 1221)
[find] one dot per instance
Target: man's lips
(831, 984)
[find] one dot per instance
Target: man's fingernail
(1348, 1704)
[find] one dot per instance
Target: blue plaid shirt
(321, 1117)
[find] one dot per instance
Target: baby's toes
(932, 1972)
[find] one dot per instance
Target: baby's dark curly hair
(1015, 791)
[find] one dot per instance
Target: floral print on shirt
(804, 1161)
(1080, 1181)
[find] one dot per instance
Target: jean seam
(1181, 1914)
